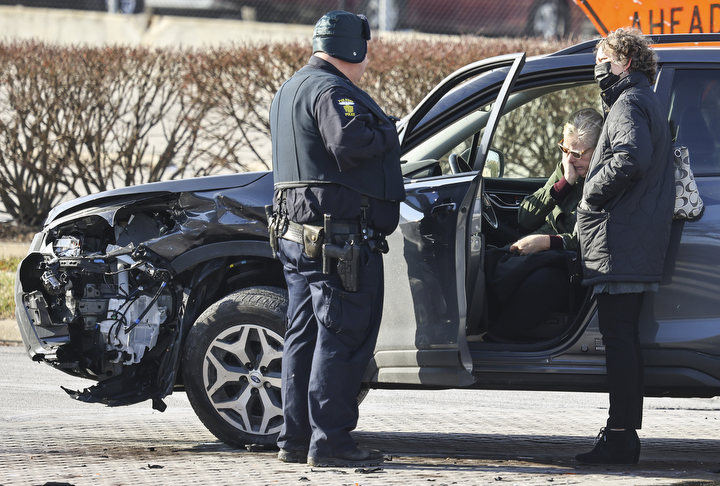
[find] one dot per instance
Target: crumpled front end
(98, 296)
(98, 309)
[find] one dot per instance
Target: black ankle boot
(613, 447)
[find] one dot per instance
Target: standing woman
(623, 221)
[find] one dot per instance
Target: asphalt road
(433, 437)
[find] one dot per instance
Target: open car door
(423, 332)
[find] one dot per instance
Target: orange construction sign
(654, 16)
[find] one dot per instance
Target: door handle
(503, 204)
(444, 208)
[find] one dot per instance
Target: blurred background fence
(534, 18)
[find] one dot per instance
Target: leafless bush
(240, 81)
(77, 120)
(81, 120)
(132, 117)
(401, 73)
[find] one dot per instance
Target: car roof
(676, 41)
(671, 48)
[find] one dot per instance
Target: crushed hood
(167, 187)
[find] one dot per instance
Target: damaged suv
(172, 285)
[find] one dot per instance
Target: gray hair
(585, 124)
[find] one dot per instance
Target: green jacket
(540, 214)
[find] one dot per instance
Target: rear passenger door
(692, 94)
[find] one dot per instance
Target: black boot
(354, 458)
(293, 456)
(613, 447)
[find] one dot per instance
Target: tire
(243, 333)
(127, 6)
(548, 19)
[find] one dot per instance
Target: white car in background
(136, 6)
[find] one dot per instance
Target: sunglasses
(574, 153)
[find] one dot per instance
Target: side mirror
(494, 165)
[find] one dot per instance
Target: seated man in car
(528, 284)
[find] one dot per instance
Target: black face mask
(604, 77)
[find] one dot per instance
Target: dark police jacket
(629, 191)
(331, 145)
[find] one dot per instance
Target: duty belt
(295, 231)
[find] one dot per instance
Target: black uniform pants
(619, 316)
(329, 341)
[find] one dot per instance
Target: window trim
(664, 84)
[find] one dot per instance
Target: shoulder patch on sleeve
(348, 106)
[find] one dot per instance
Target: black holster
(342, 248)
(348, 263)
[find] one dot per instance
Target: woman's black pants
(618, 316)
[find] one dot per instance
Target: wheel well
(212, 280)
(249, 272)
(237, 273)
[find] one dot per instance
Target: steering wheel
(488, 212)
(458, 164)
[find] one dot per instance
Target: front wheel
(232, 365)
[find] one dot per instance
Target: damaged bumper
(39, 344)
(105, 289)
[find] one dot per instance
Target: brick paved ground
(439, 437)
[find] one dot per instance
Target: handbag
(688, 204)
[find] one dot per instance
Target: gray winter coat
(629, 189)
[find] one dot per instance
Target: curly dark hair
(627, 43)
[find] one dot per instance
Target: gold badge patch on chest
(348, 105)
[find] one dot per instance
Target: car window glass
(528, 134)
(695, 117)
(430, 158)
(462, 91)
(525, 143)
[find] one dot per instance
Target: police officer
(337, 191)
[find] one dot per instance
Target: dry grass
(9, 264)
(7, 286)
(7, 300)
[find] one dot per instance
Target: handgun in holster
(347, 256)
(348, 262)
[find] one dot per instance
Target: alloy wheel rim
(241, 376)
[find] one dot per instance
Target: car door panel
(422, 336)
(418, 338)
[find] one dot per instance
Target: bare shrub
(401, 73)
(31, 173)
(240, 81)
(78, 120)
(133, 116)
